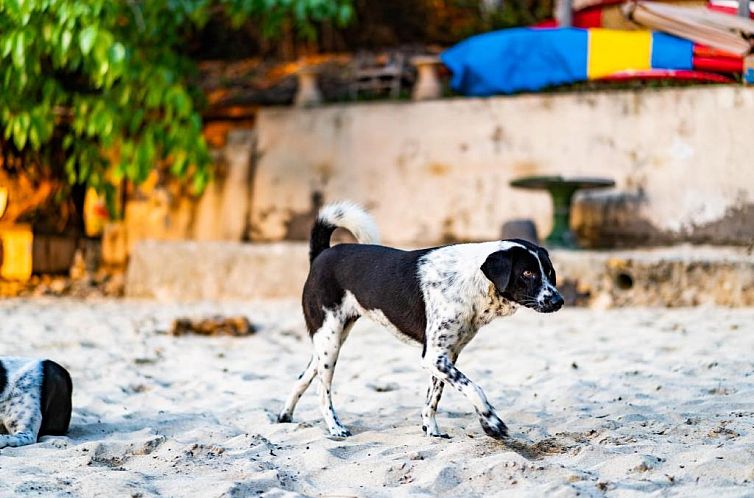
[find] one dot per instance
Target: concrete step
(670, 276)
(186, 271)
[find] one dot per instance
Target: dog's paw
(339, 433)
(284, 418)
(435, 433)
(493, 426)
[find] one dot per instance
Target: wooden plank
(52, 253)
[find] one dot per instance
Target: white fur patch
(20, 401)
(15, 369)
(377, 316)
(546, 290)
(352, 217)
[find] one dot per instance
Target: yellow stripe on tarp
(612, 50)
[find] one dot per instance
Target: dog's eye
(528, 274)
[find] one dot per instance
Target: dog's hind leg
(327, 342)
(299, 388)
(305, 379)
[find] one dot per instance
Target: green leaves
(19, 51)
(103, 84)
(303, 14)
(116, 54)
(20, 129)
(86, 39)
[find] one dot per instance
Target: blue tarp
(529, 59)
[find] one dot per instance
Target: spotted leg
(305, 379)
(299, 388)
(327, 342)
(440, 365)
(434, 393)
(429, 424)
(22, 418)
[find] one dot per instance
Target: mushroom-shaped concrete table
(561, 190)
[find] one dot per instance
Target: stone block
(115, 244)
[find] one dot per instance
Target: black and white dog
(436, 297)
(35, 400)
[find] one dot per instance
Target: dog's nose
(556, 302)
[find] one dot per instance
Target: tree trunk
(78, 195)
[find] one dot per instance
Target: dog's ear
(497, 268)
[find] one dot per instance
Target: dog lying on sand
(35, 400)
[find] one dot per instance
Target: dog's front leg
(22, 420)
(429, 424)
(18, 439)
(434, 393)
(440, 365)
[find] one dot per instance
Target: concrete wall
(439, 170)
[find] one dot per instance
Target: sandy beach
(599, 402)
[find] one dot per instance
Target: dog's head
(523, 273)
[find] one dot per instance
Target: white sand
(624, 402)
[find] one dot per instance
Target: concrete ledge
(673, 276)
(184, 271)
(669, 276)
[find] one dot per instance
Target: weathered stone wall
(439, 171)
(221, 213)
(673, 277)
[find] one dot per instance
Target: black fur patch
(3, 377)
(55, 402)
(544, 257)
(498, 267)
(381, 278)
(320, 238)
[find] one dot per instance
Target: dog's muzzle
(552, 304)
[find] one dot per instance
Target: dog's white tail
(346, 215)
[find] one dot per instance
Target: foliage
(521, 13)
(386, 23)
(98, 91)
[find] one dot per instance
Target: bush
(96, 92)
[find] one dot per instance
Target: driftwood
(235, 326)
(23, 194)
